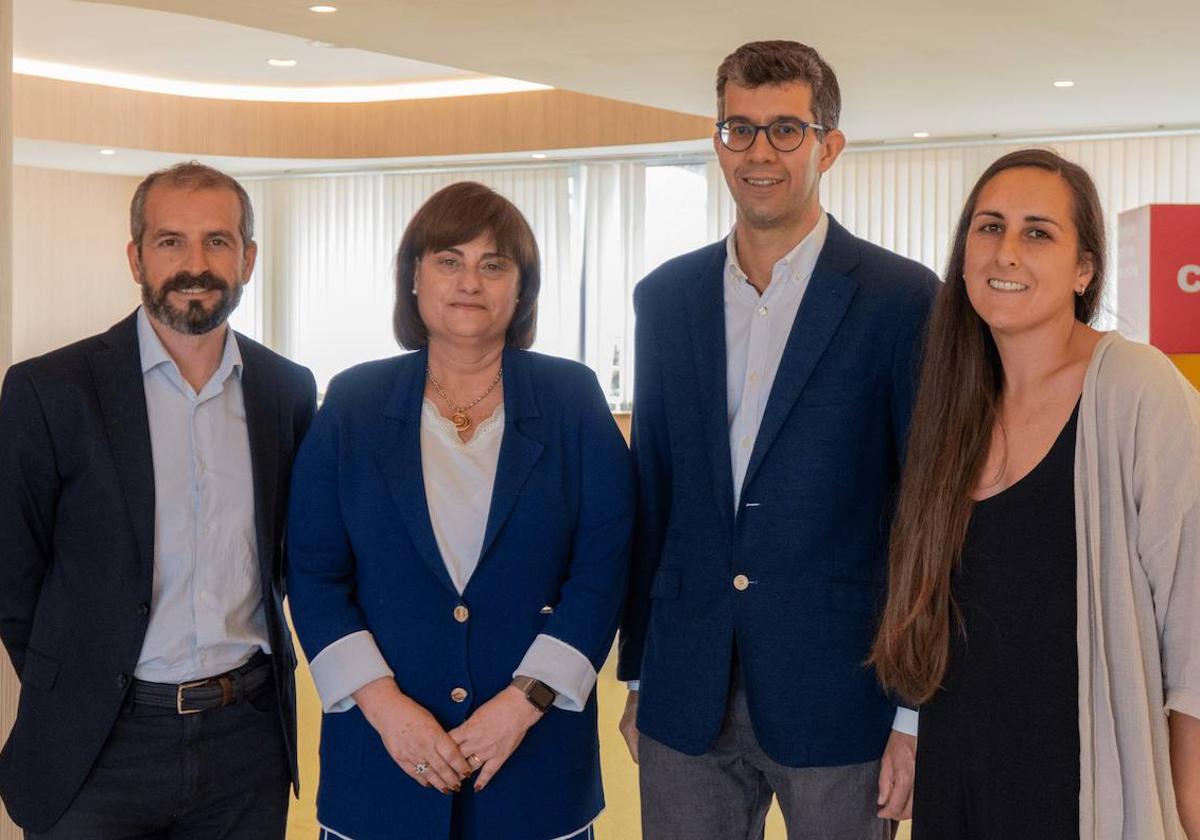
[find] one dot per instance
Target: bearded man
(143, 490)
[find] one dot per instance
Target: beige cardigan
(1137, 521)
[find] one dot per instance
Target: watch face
(541, 695)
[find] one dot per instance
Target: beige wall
(68, 277)
(6, 136)
(71, 278)
(8, 680)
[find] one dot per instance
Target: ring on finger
(420, 767)
(473, 759)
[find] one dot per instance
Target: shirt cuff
(561, 667)
(634, 685)
(1183, 700)
(906, 721)
(344, 667)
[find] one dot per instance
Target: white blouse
(459, 477)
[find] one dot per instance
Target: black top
(998, 750)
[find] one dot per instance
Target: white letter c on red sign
(1192, 286)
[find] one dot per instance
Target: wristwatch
(536, 692)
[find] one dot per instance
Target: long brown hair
(955, 410)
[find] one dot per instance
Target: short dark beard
(195, 320)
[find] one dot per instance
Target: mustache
(205, 280)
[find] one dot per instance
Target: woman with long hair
(1044, 589)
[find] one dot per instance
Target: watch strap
(540, 695)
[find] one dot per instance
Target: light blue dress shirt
(207, 614)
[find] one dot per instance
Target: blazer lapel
(825, 302)
(518, 451)
(117, 371)
(706, 324)
(260, 394)
(399, 456)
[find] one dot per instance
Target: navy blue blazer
(77, 547)
(812, 526)
(362, 556)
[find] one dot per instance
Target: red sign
(1175, 277)
(1159, 295)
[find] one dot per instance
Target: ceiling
(947, 67)
(158, 44)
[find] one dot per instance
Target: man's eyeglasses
(785, 135)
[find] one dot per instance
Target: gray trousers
(725, 794)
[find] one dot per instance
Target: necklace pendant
(460, 420)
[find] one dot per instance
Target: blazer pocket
(39, 671)
(666, 584)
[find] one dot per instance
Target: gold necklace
(459, 417)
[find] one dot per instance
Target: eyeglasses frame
(722, 125)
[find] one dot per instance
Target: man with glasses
(774, 379)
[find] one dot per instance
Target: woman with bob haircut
(1044, 591)
(458, 546)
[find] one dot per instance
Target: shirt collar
(797, 265)
(153, 353)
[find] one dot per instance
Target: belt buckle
(179, 696)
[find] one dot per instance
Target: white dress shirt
(206, 612)
(756, 331)
(459, 477)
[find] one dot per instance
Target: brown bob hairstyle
(453, 216)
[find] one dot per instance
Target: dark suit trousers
(725, 794)
(221, 774)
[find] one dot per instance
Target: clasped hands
(435, 758)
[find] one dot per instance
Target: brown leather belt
(196, 696)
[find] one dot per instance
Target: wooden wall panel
(48, 109)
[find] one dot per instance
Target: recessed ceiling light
(920, 134)
(281, 62)
(108, 152)
(538, 155)
(322, 44)
(1064, 83)
(323, 9)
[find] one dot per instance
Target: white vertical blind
(908, 200)
(612, 253)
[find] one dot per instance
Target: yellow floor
(618, 822)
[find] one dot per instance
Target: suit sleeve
(306, 406)
(906, 359)
(577, 638)
(651, 454)
(29, 490)
(321, 571)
